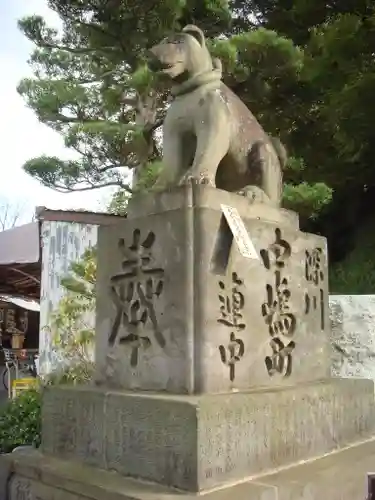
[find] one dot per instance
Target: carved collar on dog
(197, 81)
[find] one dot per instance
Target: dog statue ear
(196, 32)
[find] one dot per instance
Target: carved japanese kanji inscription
(314, 274)
(277, 310)
(133, 292)
(232, 302)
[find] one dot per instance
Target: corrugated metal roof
(78, 216)
(20, 245)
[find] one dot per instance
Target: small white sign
(239, 231)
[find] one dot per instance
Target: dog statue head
(183, 55)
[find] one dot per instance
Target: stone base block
(200, 442)
(188, 305)
(337, 476)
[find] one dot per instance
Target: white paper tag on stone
(239, 231)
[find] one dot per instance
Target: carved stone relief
(20, 489)
(133, 291)
(232, 302)
(277, 310)
(314, 274)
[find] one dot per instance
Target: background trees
(92, 85)
(337, 143)
(305, 69)
(12, 215)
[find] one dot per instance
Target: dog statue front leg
(173, 161)
(213, 135)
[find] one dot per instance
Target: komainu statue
(210, 136)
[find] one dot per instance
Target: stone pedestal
(212, 350)
(180, 309)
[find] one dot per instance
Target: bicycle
(14, 367)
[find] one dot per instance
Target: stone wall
(353, 336)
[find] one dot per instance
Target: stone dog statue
(210, 136)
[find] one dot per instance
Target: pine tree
(92, 84)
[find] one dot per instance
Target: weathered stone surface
(23, 488)
(353, 335)
(209, 135)
(206, 197)
(195, 443)
(196, 315)
(78, 426)
(338, 476)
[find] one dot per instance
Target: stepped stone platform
(337, 476)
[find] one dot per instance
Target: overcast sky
(22, 136)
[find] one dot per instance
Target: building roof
(20, 249)
(20, 245)
(77, 216)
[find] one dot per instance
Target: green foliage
(143, 183)
(80, 371)
(20, 421)
(343, 48)
(72, 334)
(82, 279)
(355, 274)
(332, 129)
(119, 202)
(307, 199)
(148, 176)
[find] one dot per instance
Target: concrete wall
(353, 335)
(63, 243)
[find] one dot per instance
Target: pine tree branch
(72, 50)
(97, 28)
(97, 157)
(64, 189)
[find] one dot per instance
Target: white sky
(21, 135)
